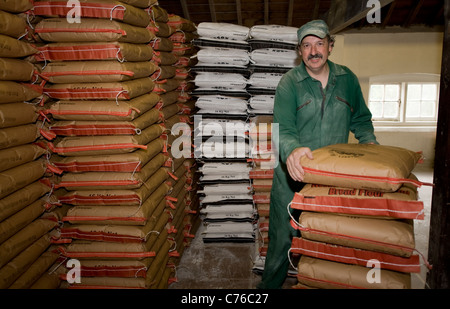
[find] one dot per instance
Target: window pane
(376, 93)
(392, 93)
(429, 92)
(413, 109)
(427, 109)
(391, 109)
(377, 109)
(414, 92)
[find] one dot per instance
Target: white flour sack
(265, 80)
(220, 81)
(361, 166)
(274, 57)
(223, 56)
(277, 33)
(223, 31)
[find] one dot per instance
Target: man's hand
(294, 167)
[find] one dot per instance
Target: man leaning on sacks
(317, 103)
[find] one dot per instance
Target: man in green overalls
(317, 103)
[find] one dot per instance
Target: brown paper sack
(95, 9)
(125, 90)
(94, 71)
(61, 30)
(390, 236)
(332, 275)
(94, 51)
(362, 166)
(102, 110)
(13, 48)
(16, 70)
(11, 92)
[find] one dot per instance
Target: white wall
(371, 54)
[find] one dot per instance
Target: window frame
(403, 80)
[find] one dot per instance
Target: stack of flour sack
(116, 88)
(28, 207)
(356, 221)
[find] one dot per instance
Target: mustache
(318, 56)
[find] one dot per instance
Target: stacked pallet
(26, 228)
(222, 145)
(357, 218)
(114, 98)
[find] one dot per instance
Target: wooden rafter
(212, 8)
(413, 13)
(239, 11)
(316, 9)
(185, 9)
(343, 13)
(439, 241)
(388, 15)
(290, 12)
(266, 12)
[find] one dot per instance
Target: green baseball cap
(317, 27)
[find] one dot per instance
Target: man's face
(314, 52)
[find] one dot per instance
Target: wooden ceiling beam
(316, 9)
(388, 15)
(290, 12)
(239, 11)
(413, 13)
(212, 9)
(185, 9)
(266, 12)
(343, 13)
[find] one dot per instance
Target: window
(404, 99)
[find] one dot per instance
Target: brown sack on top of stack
(362, 166)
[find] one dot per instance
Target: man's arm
(361, 124)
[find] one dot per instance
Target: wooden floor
(230, 265)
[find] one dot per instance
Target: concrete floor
(229, 265)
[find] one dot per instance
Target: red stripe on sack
(82, 52)
(337, 284)
(348, 237)
(96, 183)
(96, 113)
(365, 178)
(51, 30)
(97, 129)
(132, 199)
(93, 10)
(100, 236)
(373, 207)
(98, 147)
(99, 166)
(354, 256)
(105, 93)
(97, 72)
(114, 271)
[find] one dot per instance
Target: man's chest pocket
(306, 109)
(342, 102)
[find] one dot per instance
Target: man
(317, 104)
